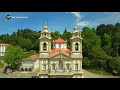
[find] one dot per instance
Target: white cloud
(84, 23)
(102, 18)
(77, 15)
(78, 21)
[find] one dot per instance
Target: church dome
(75, 29)
(45, 26)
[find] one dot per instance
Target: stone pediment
(60, 55)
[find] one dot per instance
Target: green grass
(99, 71)
(1, 65)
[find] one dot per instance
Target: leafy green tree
(90, 41)
(106, 43)
(116, 44)
(13, 55)
(5, 38)
(55, 35)
(27, 44)
(66, 36)
(101, 29)
(15, 40)
(87, 63)
(36, 45)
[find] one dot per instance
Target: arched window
(76, 34)
(26, 69)
(53, 66)
(30, 69)
(76, 66)
(22, 69)
(45, 34)
(44, 46)
(76, 46)
(59, 45)
(60, 65)
(68, 66)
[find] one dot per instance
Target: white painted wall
(62, 46)
(57, 45)
(2, 50)
(27, 64)
(36, 64)
(65, 45)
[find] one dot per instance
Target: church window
(76, 66)
(44, 66)
(59, 45)
(45, 34)
(26, 69)
(76, 34)
(30, 69)
(76, 46)
(54, 45)
(53, 66)
(44, 46)
(60, 65)
(22, 69)
(67, 66)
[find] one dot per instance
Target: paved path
(87, 74)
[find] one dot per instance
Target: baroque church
(59, 62)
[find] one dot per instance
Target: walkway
(87, 74)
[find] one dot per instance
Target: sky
(56, 21)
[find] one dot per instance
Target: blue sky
(56, 20)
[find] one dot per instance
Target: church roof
(59, 49)
(55, 52)
(32, 58)
(59, 40)
(3, 44)
(75, 29)
(45, 26)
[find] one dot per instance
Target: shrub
(1, 65)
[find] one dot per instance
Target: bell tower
(76, 51)
(76, 41)
(45, 42)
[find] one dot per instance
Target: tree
(13, 55)
(90, 41)
(106, 43)
(36, 45)
(5, 38)
(87, 63)
(55, 35)
(116, 44)
(65, 31)
(66, 36)
(101, 30)
(15, 40)
(27, 44)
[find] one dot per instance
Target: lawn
(99, 71)
(1, 65)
